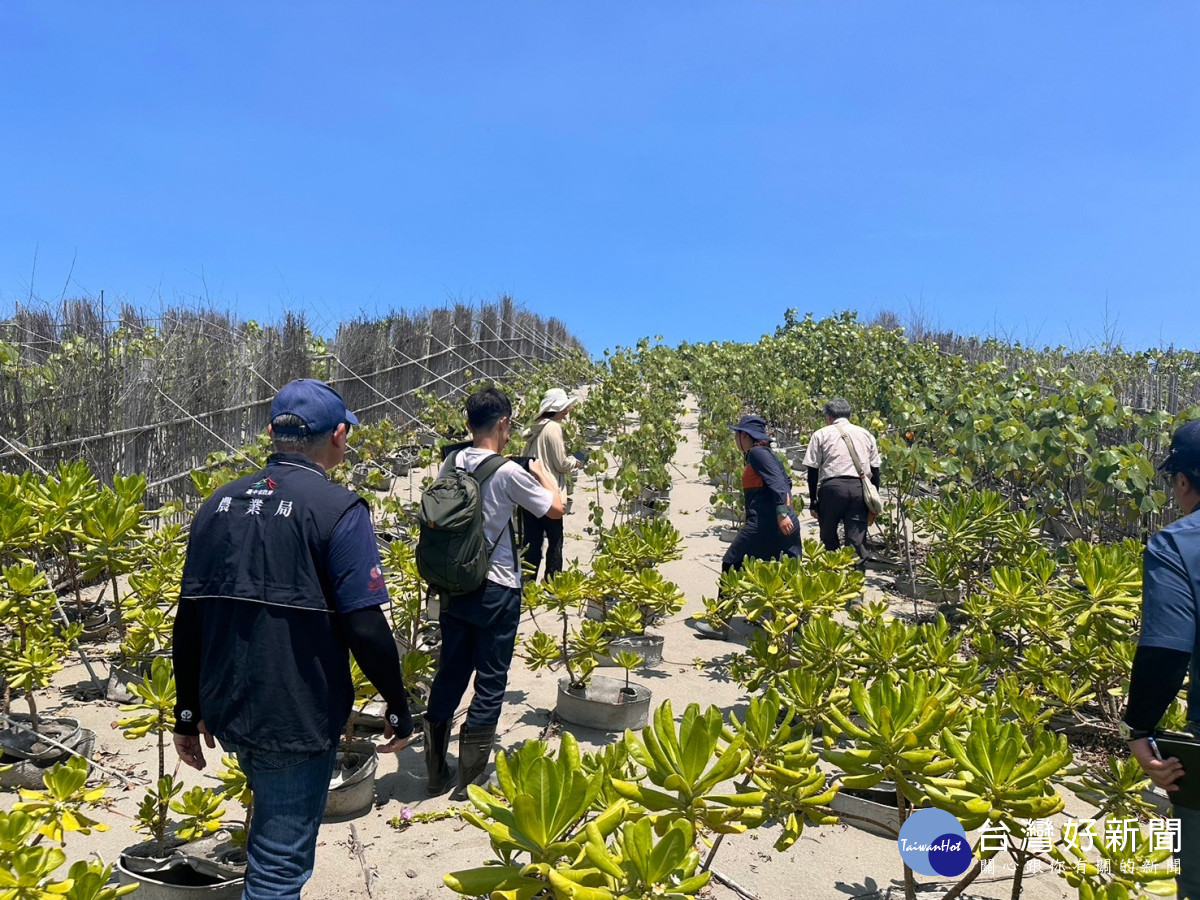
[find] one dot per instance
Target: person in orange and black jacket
(771, 529)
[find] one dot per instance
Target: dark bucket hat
(753, 426)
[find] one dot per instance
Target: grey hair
(838, 408)
(304, 444)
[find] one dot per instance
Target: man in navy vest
(1169, 645)
(282, 582)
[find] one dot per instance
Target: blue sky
(685, 169)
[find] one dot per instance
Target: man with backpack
(467, 533)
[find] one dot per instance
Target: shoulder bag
(870, 493)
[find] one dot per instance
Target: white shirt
(828, 454)
(510, 487)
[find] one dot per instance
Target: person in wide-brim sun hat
(771, 529)
(554, 401)
(544, 440)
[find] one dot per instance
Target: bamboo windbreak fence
(130, 393)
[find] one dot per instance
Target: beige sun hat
(555, 401)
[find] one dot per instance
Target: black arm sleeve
(370, 640)
(813, 474)
(185, 656)
(875, 476)
(1158, 674)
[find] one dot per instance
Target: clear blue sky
(690, 169)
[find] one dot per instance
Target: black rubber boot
(474, 751)
(439, 772)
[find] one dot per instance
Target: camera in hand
(523, 461)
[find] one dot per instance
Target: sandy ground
(828, 862)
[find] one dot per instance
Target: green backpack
(452, 550)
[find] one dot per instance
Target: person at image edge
(281, 583)
(1169, 644)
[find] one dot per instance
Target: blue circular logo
(932, 842)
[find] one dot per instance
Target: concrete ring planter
(27, 773)
(21, 743)
(352, 787)
(213, 867)
(602, 705)
(648, 646)
(728, 535)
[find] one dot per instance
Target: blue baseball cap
(1185, 448)
(315, 403)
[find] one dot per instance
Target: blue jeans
(479, 633)
(290, 790)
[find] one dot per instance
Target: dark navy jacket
(274, 669)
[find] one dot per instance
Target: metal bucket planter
(96, 619)
(728, 535)
(602, 705)
(656, 501)
(352, 787)
(927, 590)
(597, 609)
(872, 810)
(21, 742)
(18, 773)
(648, 646)
(213, 868)
(120, 678)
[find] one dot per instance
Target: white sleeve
(813, 456)
(526, 491)
(876, 461)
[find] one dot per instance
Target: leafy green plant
(563, 594)
(537, 824)
(60, 807)
(36, 648)
(199, 807)
(783, 766)
(1003, 776)
(685, 770)
(628, 660)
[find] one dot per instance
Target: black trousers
(537, 530)
(761, 539)
(840, 502)
(479, 634)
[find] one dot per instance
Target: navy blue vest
(274, 670)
